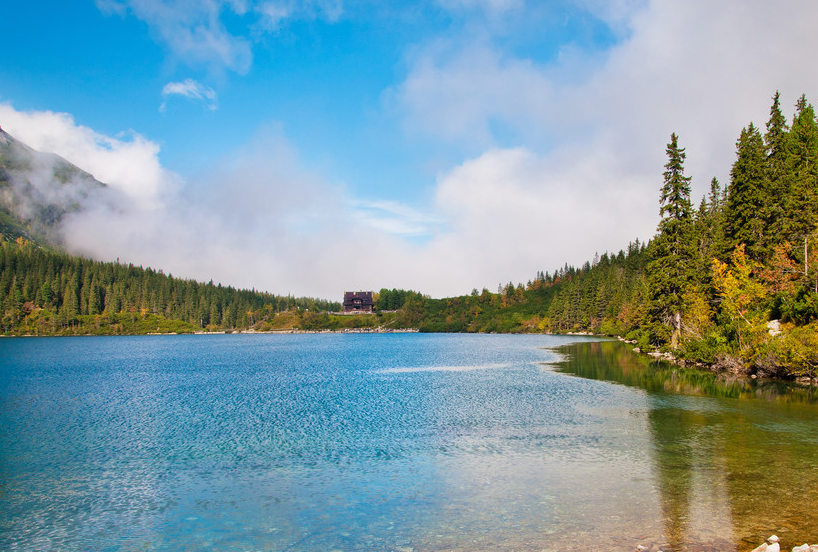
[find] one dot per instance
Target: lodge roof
(358, 301)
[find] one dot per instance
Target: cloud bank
(129, 163)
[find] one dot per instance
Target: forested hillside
(46, 292)
(731, 283)
(734, 281)
(602, 296)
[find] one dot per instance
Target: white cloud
(457, 94)
(258, 219)
(192, 90)
(395, 218)
(192, 30)
(273, 13)
(513, 212)
(617, 14)
(128, 164)
(195, 33)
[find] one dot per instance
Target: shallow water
(390, 442)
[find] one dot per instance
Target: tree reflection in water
(734, 460)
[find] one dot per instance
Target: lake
(392, 442)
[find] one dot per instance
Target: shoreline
(731, 373)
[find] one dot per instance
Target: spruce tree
(703, 234)
(802, 194)
(748, 200)
(716, 201)
(775, 141)
(776, 145)
(671, 270)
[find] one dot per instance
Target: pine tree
(777, 146)
(748, 200)
(671, 269)
(775, 141)
(716, 201)
(802, 193)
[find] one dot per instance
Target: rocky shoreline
(729, 367)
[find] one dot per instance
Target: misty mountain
(37, 190)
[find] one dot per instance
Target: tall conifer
(775, 143)
(802, 196)
(748, 200)
(671, 269)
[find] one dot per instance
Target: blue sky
(326, 75)
(444, 145)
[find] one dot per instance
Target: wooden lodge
(358, 301)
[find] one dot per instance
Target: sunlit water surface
(391, 442)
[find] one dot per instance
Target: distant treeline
(602, 296)
(44, 291)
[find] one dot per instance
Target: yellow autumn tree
(740, 294)
(696, 316)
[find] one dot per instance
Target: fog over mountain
(40, 190)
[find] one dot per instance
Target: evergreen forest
(47, 292)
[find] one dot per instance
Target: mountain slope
(37, 190)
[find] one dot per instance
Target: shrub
(802, 308)
(794, 352)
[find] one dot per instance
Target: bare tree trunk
(677, 324)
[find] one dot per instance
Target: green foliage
(47, 292)
(801, 192)
(749, 200)
(705, 349)
(741, 295)
(394, 299)
(671, 271)
(800, 308)
(794, 352)
(745, 235)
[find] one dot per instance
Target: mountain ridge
(37, 190)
